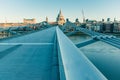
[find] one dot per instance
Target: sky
(16, 10)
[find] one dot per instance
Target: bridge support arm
(71, 33)
(87, 42)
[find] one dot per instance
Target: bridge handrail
(75, 64)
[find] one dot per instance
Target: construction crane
(83, 16)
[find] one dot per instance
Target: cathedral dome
(60, 18)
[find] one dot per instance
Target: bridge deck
(28, 57)
(45, 55)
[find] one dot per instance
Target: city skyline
(16, 10)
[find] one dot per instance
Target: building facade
(5, 25)
(29, 21)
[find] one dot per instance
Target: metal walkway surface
(45, 55)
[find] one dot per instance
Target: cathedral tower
(60, 18)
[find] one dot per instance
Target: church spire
(46, 19)
(60, 12)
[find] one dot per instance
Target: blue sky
(16, 10)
